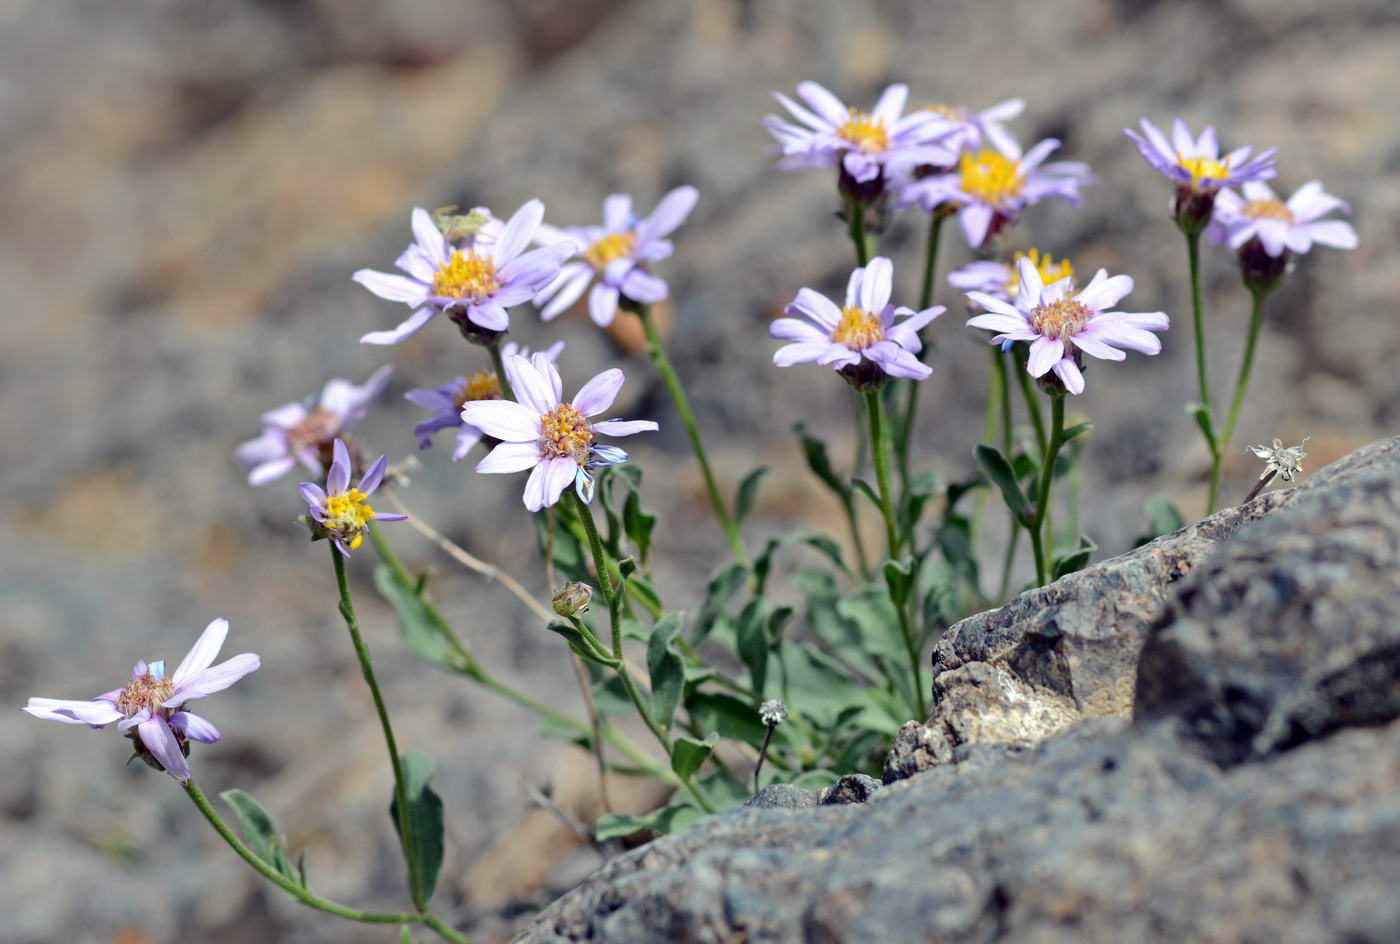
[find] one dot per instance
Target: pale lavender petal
(1182, 141)
(394, 288)
(1338, 234)
(518, 232)
(1103, 292)
(896, 361)
(1149, 320)
(141, 717)
(997, 322)
(505, 420)
(214, 679)
(617, 212)
(998, 306)
(338, 479)
(877, 284)
(269, 446)
(416, 263)
(347, 400)
(1206, 144)
(816, 306)
(559, 474)
(271, 471)
(315, 498)
(206, 647)
(568, 291)
(1068, 372)
(861, 166)
(405, 328)
(1091, 344)
(66, 711)
(602, 304)
(285, 416)
(489, 315)
(1031, 284)
(891, 104)
(390, 516)
(1310, 201)
(643, 287)
(828, 106)
(544, 366)
(670, 213)
(808, 118)
(625, 427)
(795, 329)
(537, 267)
(534, 489)
(1037, 154)
(467, 438)
(160, 741)
(799, 353)
(195, 727)
(838, 356)
(428, 236)
(373, 475)
(598, 394)
(1044, 353)
(510, 457)
(1120, 335)
(975, 219)
(531, 389)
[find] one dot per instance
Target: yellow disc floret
(610, 247)
(1045, 264)
(858, 329)
(1205, 168)
(466, 275)
(1060, 320)
(348, 516)
(564, 431)
(1267, 210)
(144, 691)
(866, 133)
(989, 176)
(482, 385)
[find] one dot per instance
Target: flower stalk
(1047, 480)
(1256, 323)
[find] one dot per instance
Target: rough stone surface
(1109, 830)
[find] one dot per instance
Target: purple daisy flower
(991, 186)
(1293, 226)
(342, 513)
(475, 284)
(970, 128)
(297, 433)
(999, 279)
(1049, 316)
(863, 144)
(552, 438)
(153, 704)
(615, 253)
(447, 401)
(1195, 163)
(864, 341)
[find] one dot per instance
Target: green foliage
(667, 669)
(261, 836)
(425, 823)
(1163, 517)
(420, 633)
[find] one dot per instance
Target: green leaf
(731, 718)
(1163, 517)
(404, 936)
(751, 639)
(819, 542)
(820, 685)
(814, 451)
(726, 582)
(424, 818)
(1074, 431)
(998, 469)
(667, 669)
(638, 523)
(611, 515)
(627, 567)
(1075, 559)
(417, 630)
(260, 833)
(748, 491)
(1202, 416)
(867, 491)
(955, 492)
(688, 754)
(842, 635)
(569, 556)
(955, 541)
(580, 644)
(899, 577)
(668, 819)
(610, 697)
(921, 488)
(645, 594)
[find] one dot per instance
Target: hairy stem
(1222, 443)
(1047, 479)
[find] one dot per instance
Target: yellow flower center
(989, 176)
(564, 431)
(1049, 269)
(1060, 320)
(1204, 168)
(466, 276)
(348, 516)
(481, 385)
(951, 112)
(858, 329)
(610, 247)
(315, 429)
(1267, 210)
(866, 133)
(144, 691)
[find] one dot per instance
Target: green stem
(478, 673)
(672, 380)
(1256, 322)
(1032, 406)
(303, 895)
(444, 930)
(347, 611)
(911, 397)
(1004, 385)
(1047, 478)
(1193, 256)
(1007, 562)
(880, 451)
(493, 347)
(613, 598)
(855, 226)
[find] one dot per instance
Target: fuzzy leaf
(417, 630)
(748, 491)
(667, 669)
(689, 754)
(424, 818)
(260, 833)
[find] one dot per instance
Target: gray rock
(852, 788)
(1255, 796)
(1291, 631)
(782, 796)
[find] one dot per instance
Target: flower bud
(573, 599)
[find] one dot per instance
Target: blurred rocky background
(186, 188)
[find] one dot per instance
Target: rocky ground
(1246, 789)
(186, 188)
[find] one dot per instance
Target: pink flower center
(1267, 210)
(610, 247)
(866, 133)
(144, 691)
(316, 429)
(468, 276)
(858, 329)
(1060, 320)
(564, 431)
